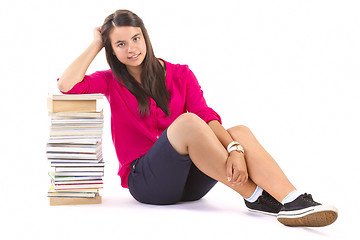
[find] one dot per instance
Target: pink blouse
(133, 135)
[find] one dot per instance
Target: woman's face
(128, 45)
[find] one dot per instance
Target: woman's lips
(134, 57)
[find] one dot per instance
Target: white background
(289, 70)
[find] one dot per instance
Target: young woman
(170, 145)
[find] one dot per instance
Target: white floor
(221, 214)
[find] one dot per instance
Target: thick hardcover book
(73, 103)
(55, 201)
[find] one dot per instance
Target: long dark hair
(153, 74)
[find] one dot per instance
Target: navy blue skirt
(163, 176)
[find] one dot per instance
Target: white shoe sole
(266, 213)
(317, 216)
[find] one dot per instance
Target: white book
(80, 161)
(63, 120)
(77, 164)
(74, 155)
(72, 194)
(89, 190)
(71, 178)
(84, 186)
(77, 182)
(79, 174)
(79, 169)
(93, 96)
(75, 139)
(76, 126)
(76, 132)
(78, 114)
(81, 148)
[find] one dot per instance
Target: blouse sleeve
(93, 83)
(195, 101)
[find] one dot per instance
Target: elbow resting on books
(63, 87)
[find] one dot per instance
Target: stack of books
(74, 149)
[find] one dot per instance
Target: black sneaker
(264, 204)
(304, 211)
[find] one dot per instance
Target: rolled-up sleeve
(93, 83)
(195, 101)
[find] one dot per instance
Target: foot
(265, 204)
(304, 211)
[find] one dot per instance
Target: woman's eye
(137, 38)
(121, 44)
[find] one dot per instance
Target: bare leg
(188, 134)
(262, 168)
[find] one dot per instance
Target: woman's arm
(220, 132)
(235, 166)
(195, 103)
(76, 71)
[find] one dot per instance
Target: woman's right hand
(237, 173)
(75, 73)
(98, 37)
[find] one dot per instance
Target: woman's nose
(131, 47)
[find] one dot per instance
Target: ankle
(255, 195)
(291, 197)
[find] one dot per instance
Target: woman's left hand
(236, 168)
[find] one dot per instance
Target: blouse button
(157, 137)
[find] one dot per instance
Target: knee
(187, 127)
(190, 121)
(239, 130)
(189, 117)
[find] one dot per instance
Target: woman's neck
(135, 72)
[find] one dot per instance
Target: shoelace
(309, 198)
(269, 198)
